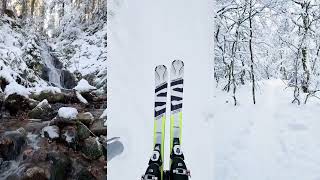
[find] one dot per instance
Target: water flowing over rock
(11, 145)
(54, 74)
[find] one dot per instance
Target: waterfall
(54, 73)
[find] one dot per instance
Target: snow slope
(141, 35)
(271, 140)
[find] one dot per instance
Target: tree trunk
(251, 55)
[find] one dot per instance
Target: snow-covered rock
(81, 98)
(51, 132)
(84, 86)
(15, 88)
(68, 113)
(42, 111)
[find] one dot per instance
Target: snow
(84, 86)
(39, 90)
(81, 98)
(69, 138)
(44, 103)
(14, 87)
(53, 131)
(104, 115)
(68, 113)
(141, 35)
(273, 139)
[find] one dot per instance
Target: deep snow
(141, 35)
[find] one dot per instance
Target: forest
(268, 39)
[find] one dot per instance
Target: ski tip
(160, 68)
(177, 62)
(161, 74)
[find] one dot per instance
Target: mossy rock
(91, 149)
(82, 131)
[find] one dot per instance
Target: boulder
(61, 165)
(51, 97)
(15, 103)
(91, 149)
(83, 131)
(69, 135)
(42, 111)
(86, 118)
(35, 173)
(98, 127)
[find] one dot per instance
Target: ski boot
(153, 171)
(178, 168)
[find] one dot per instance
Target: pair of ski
(178, 170)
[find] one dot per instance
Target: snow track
(272, 140)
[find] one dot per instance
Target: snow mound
(68, 113)
(84, 86)
(14, 87)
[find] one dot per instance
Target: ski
(155, 169)
(178, 169)
(176, 100)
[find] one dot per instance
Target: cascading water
(54, 73)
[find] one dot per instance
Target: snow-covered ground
(271, 140)
(141, 35)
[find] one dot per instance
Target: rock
(98, 127)
(57, 64)
(3, 83)
(84, 174)
(61, 166)
(89, 96)
(34, 173)
(86, 118)
(91, 149)
(62, 122)
(69, 135)
(51, 97)
(83, 131)
(51, 132)
(67, 113)
(42, 111)
(11, 145)
(45, 73)
(9, 13)
(67, 79)
(15, 103)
